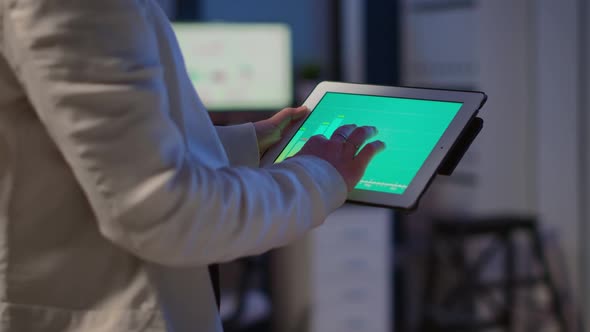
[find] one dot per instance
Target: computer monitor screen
(238, 66)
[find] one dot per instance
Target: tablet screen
(410, 129)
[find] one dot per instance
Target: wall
(584, 149)
(353, 41)
(506, 172)
(558, 113)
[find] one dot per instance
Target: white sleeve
(91, 69)
(240, 144)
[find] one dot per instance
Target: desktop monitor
(238, 66)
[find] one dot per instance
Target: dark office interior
(498, 245)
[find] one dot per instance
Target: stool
(456, 310)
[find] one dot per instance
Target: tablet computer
(419, 127)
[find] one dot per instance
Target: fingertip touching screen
(410, 129)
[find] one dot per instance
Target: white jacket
(116, 191)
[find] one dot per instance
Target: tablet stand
(461, 146)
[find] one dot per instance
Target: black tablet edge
(418, 198)
(416, 203)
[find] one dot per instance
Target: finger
(314, 140)
(342, 133)
(360, 135)
(288, 116)
(368, 152)
(318, 137)
(283, 117)
(300, 112)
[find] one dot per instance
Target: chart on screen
(410, 129)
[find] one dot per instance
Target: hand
(341, 151)
(270, 131)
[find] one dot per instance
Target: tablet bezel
(471, 100)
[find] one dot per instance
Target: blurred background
(498, 246)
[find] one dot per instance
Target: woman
(117, 192)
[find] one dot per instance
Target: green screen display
(410, 129)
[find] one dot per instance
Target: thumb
(288, 115)
(300, 112)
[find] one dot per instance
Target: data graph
(410, 129)
(326, 128)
